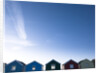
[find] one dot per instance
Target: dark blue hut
(53, 65)
(34, 66)
(93, 62)
(15, 66)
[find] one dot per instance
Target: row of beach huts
(18, 66)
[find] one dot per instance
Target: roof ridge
(51, 61)
(69, 61)
(34, 61)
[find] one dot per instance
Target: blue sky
(45, 31)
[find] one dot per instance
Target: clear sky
(44, 31)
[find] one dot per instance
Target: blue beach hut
(15, 66)
(34, 66)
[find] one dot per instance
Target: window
(53, 66)
(13, 68)
(33, 68)
(87, 65)
(71, 66)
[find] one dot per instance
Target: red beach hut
(71, 65)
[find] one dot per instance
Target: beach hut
(71, 64)
(86, 64)
(15, 66)
(93, 62)
(53, 65)
(34, 66)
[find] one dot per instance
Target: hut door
(53, 66)
(33, 68)
(71, 66)
(13, 68)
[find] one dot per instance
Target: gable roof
(19, 62)
(93, 59)
(35, 62)
(53, 61)
(69, 61)
(84, 60)
(22, 63)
